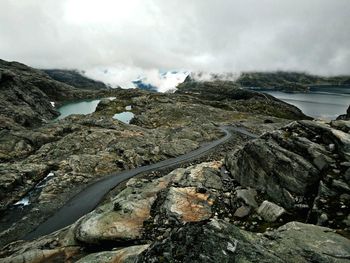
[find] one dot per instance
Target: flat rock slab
(202, 175)
(123, 218)
(248, 196)
(125, 255)
(187, 204)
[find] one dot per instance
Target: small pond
(89, 106)
(80, 107)
(125, 116)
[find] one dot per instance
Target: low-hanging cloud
(135, 37)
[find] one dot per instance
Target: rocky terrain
(304, 168)
(187, 215)
(234, 97)
(283, 197)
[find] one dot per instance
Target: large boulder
(218, 241)
(124, 218)
(270, 168)
(298, 242)
(301, 167)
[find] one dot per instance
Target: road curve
(90, 197)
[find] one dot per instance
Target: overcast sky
(132, 36)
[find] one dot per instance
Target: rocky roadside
(279, 198)
(78, 151)
(38, 163)
(303, 168)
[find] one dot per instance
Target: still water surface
(80, 107)
(321, 103)
(89, 106)
(324, 104)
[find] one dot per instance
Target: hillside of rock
(38, 163)
(304, 168)
(281, 195)
(187, 215)
(234, 97)
(289, 81)
(74, 78)
(26, 96)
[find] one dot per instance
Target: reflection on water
(326, 104)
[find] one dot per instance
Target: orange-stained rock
(122, 219)
(126, 221)
(188, 205)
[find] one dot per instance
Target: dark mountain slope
(75, 79)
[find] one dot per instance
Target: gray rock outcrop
(301, 167)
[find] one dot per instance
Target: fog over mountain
(138, 38)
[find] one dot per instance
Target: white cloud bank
(140, 37)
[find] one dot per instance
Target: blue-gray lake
(324, 104)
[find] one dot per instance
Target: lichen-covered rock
(121, 219)
(301, 167)
(204, 175)
(43, 255)
(298, 242)
(187, 204)
(219, 241)
(124, 255)
(343, 125)
(248, 196)
(57, 247)
(270, 168)
(216, 241)
(270, 211)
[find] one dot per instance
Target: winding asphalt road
(90, 197)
